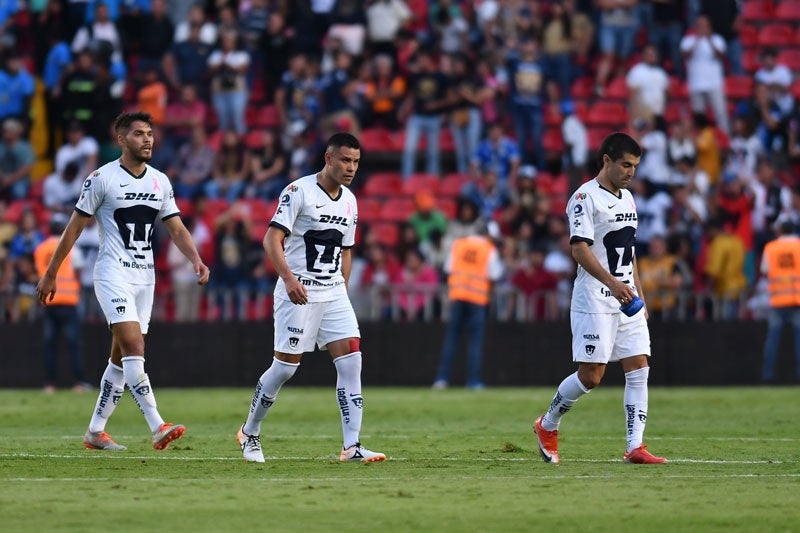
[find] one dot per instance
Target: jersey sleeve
(349, 239)
(288, 208)
(581, 224)
(169, 208)
(92, 194)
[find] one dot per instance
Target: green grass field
(458, 461)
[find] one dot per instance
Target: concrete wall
(230, 354)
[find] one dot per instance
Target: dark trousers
(64, 319)
(472, 317)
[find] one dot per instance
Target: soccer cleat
(101, 441)
(360, 454)
(166, 434)
(641, 456)
(548, 442)
(439, 384)
(251, 446)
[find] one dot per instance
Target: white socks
(139, 384)
(112, 387)
(348, 396)
(635, 403)
(267, 389)
(567, 394)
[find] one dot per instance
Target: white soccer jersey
(317, 228)
(607, 222)
(126, 207)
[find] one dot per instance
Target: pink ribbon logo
(156, 186)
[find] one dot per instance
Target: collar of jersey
(618, 197)
(140, 176)
(328, 195)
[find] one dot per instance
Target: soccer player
(317, 217)
(126, 196)
(603, 222)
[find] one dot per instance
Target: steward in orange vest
(469, 279)
(69, 287)
(782, 265)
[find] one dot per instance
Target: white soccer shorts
(298, 327)
(125, 302)
(605, 337)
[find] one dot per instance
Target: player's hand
(622, 292)
(202, 272)
(46, 289)
(297, 293)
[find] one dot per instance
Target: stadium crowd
(508, 100)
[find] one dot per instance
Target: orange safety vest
(783, 271)
(68, 287)
(469, 270)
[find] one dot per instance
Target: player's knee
(590, 377)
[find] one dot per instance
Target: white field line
(123, 456)
(306, 480)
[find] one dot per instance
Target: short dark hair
(341, 139)
(617, 144)
(123, 121)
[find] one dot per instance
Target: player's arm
(183, 240)
(273, 246)
(347, 263)
(639, 288)
(586, 259)
(46, 288)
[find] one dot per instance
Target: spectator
(429, 96)
(690, 199)
(734, 207)
(336, 88)
(724, 17)
(653, 140)
(61, 191)
(490, 110)
(661, 278)
(24, 279)
(772, 200)
(157, 36)
(16, 89)
(648, 83)
(196, 18)
(231, 272)
(704, 52)
(253, 26)
(537, 285)
(277, 46)
(559, 262)
(195, 165)
(500, 154)
(488, 194)
(450, 28)
(465, 114)
(708, 152)
(745, 149)
(383, 93)
(268, 168)
(227, 67)
(16, 162)
(576, 144)
(185, 288)
(526, 83)
(382, 267)
(152, 96)
(291, 97)
(427, 218)
(385, 18)
(771, 125)
(185, 63)
(616, 37)
(88, 246)
(778, 78)
(101, 36)
(465, 223)
(20, 250)
(558, 47)
(80, 92)
(724, 266)
(184, 114)
(681, 141)
(79, 149)
(56, 65)
(348, 24)
(417, 281)
(230, 169)
(166, 157)
(652, 206)
(666, 31)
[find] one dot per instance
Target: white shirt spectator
(576, 138)
(778, 75)
(385, 18)
(208, 32)
(654, 162)
(704, 71)
(84, 153)
(101, 31)
(58, 193)
(743, 156)
(652, 214)
(681, 148)
(651, 82)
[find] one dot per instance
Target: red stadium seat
(254, 139)
(676, 110)
(267, 117)
(796, 88)
(582, 88)
(383, 184)
(607, 114)
(739, 87)
(552, 140)
(748, 36)
(376, 140)
(214, 141)
(398, 209)
(596, 136)
(17, 207)
(452, 184)
(756, 10)
(750, 60)
(790, 58)
(421, 182)
(777, 35)
(369, 209)
(617, 89)
(677, 88)
(787, 11)
(185, 205)
(386, 233)
(448, 206)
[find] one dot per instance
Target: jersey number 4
(323, 252)
(619, 249)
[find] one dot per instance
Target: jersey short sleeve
(92, 193)
(291, 201)
(581, 222)
(169, 208)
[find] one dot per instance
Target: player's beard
(141, 157)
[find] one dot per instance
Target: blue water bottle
(633, 307)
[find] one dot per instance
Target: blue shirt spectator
(8, 8)
(498, 153)
(58, 58)
(16, 89)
